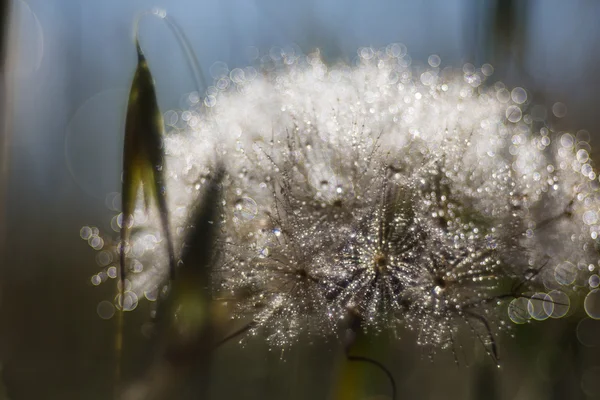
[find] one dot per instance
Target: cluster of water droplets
(404, 195)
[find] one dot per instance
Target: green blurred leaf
(143, 158)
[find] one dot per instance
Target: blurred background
(66, 70)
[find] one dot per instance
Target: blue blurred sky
(82, 51)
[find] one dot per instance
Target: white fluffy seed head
(411, 196)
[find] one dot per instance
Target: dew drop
(245, 208)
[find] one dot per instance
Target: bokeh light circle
(129, 303)
(588, 332)
(565, 273)
(517, 310)
(591, 304)
(540, 306)
(559, 304)
(105, 309)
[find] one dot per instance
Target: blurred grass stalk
(6, 48)
(5, 120)
(5, 123)
(188, 320)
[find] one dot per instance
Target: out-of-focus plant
(4, 114)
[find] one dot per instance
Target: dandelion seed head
(413, 197)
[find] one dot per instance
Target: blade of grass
(188, 317)
(143, 160)
(143, 168)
